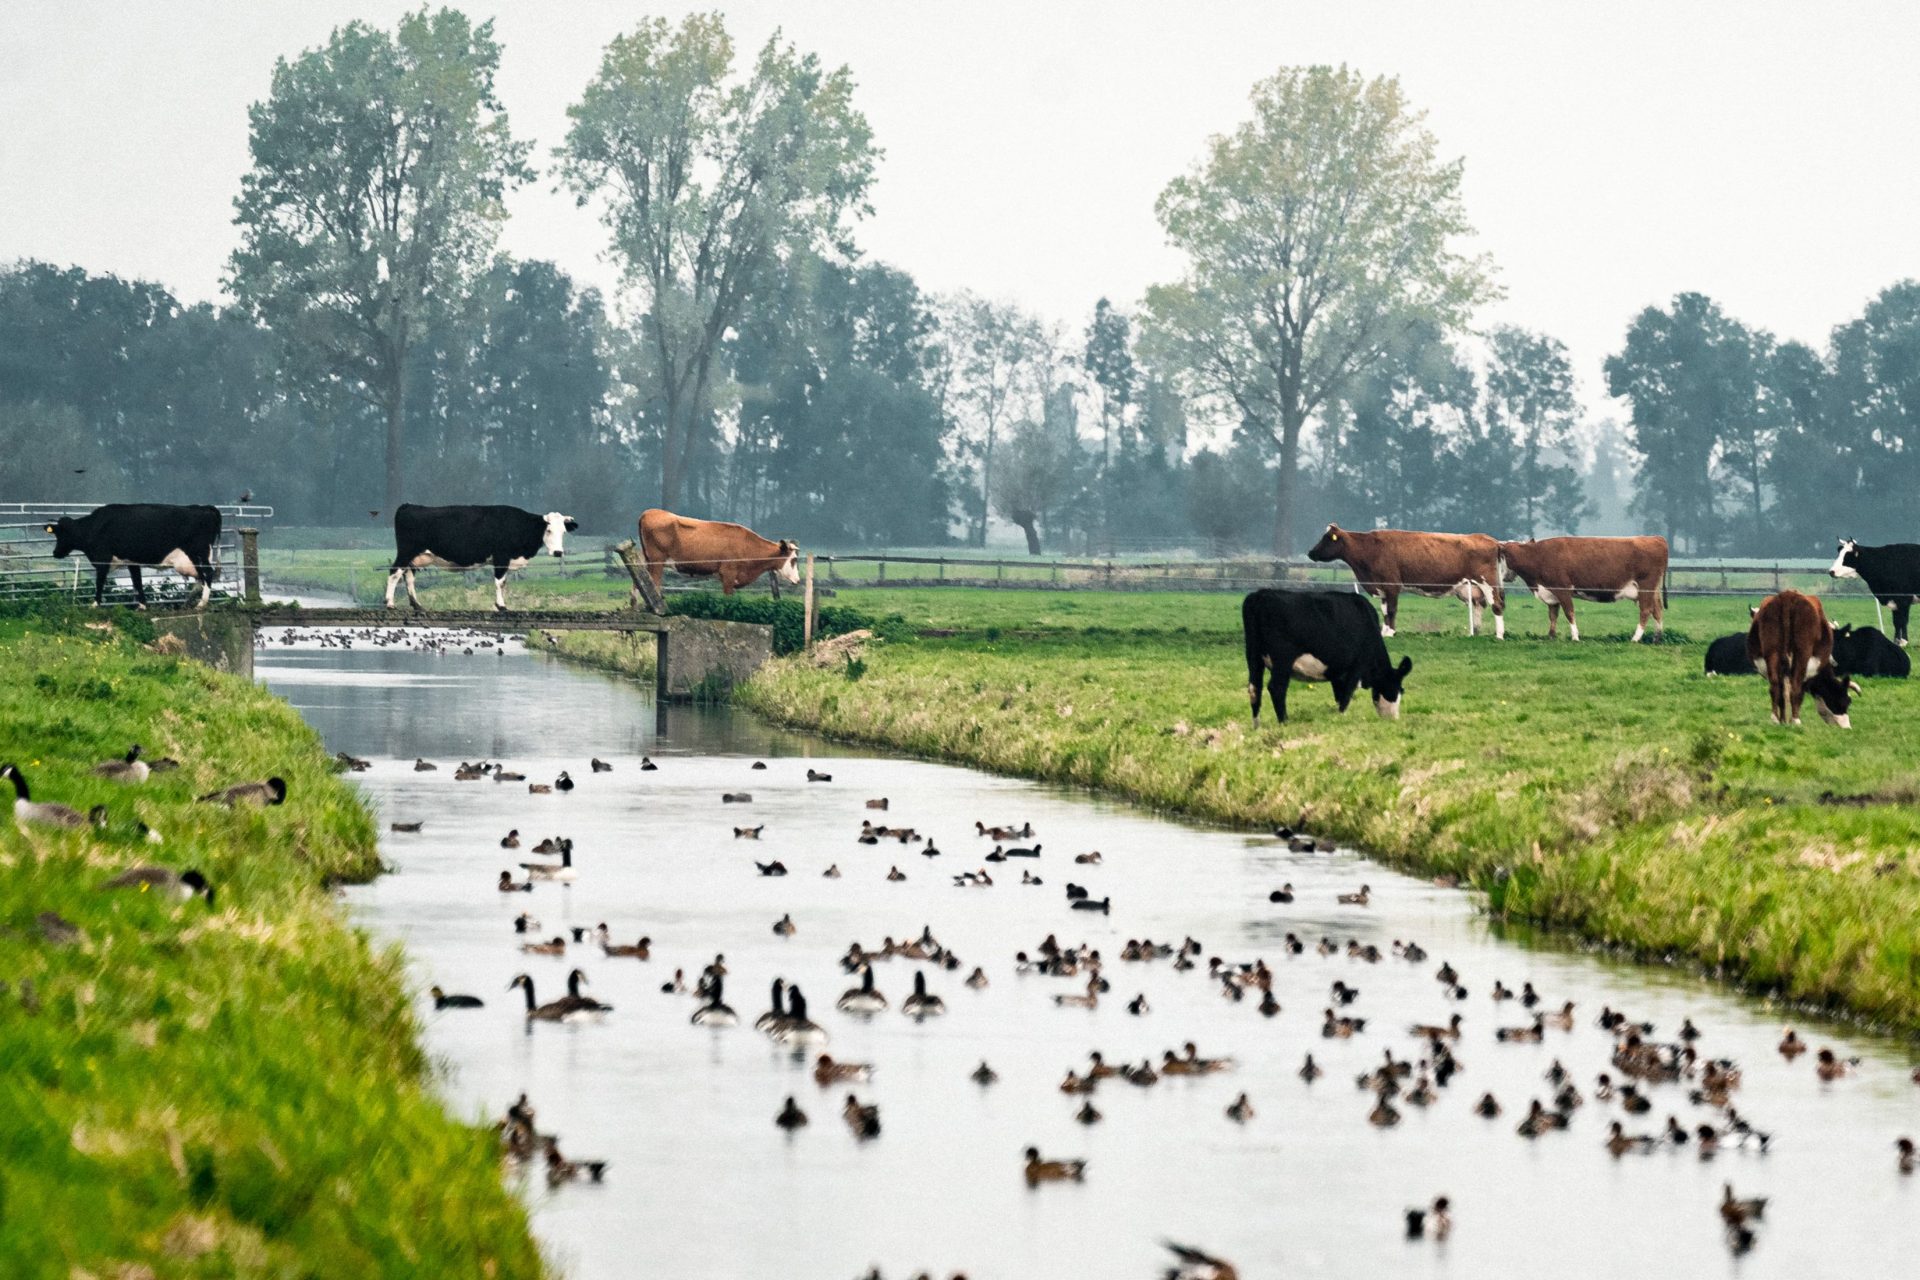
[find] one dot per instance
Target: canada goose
(1283, 894)
(1357, 899)
(774, 868)
(797, 1029)
(554, 946)
(507, 884)
(511, 840)
(920, 1004)
(1039, 1171)
(27, 811)
(983, 1074)
(647, 765)
(1240, 1110)
(562, 870)
(863, 1120)
(561, 1170)
(584, 1003)
(129, 768)
(826, 1071)
(271, 791)
(749, 833)
(441, 1000)
(791, 1117)
(601, 766)
(784, 927)
(181, 886)
(424, 766)
(715, 1012)
(814, 775)
(539, 789)
(561, 1010)
(775, 1016)
(563, 782)
(863, 998)
(641, 950)
(406, 826)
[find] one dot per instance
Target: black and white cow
(468, 537)
(1318, 635)
(1727, 656)
(1864, 651)
(1892, 574)
(142, 535)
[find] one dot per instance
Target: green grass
(627, 653)
(192, 1092)
(1605, 788)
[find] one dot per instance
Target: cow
(1791, 643)
(1318, 635)
(1864, 651)
(467, 537)
(1389, 561)
(732, 553)
(1727, 656)
(1604, 570)
(141, 535)
(1892, 574)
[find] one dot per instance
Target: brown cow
(1791, 643)
(1603, 570)
(1389, 561)
(711, 548)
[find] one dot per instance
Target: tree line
(1315, 360)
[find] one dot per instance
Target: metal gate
(27, 566)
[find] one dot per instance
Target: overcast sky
(1616, 153)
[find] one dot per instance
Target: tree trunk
(396, 433)
(670, 432)
(1030, 526)
(986, 489)
(1283, 486)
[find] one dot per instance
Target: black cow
(142, 535)
(1318, 635)
(1727, 656)
(1891, 572)
(468, 537)
(1866, 652)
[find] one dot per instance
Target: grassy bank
(1605, 788)
(210, 1092)
(626, 653)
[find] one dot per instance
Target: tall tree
(380, 167)
(1108, 359)
(1529, 399)
(1315, 233)
(705, 183)
(1038, 467)
(993, 352)
(1876, 406)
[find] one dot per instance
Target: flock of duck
(1646, 1071)
(464, 641)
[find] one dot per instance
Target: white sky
(1616, 152)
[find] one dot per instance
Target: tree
(1038, 466)
(705, 186)
(1529, 400)
(1108, 360)
(993, 350)
(1224, 494)
(380, 167)
(1815, 468)
(1875, 413)
(1315, 233)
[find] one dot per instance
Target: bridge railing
(27, 566)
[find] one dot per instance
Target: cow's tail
(1249, 626)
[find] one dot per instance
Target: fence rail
(27, 565)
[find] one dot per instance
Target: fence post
(806, 622)
(943, 568)
(642, 580)
(1000, 571)
(883, 568)
(1776, 579)
(250, 563)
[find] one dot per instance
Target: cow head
(62, 531)
(789, 571)
(1332, 545)
(1387, 690)
(1847, 563)
(558, 527)
(1833, 693)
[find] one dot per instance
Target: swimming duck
(1090, 999)
(1197, 1265)
(1104, 906)
(511, 840)
(1283, 894)
(1138, 1005)
(1383, 1116)
(406, 827)
(648, 766)
(1527, 1035)
(539, 789)
(1907, 1157)
(920, 1004)
(814, 775)
(831, 873)
(863, 1120)
(676, 985)
(441, 1000)
(1791, 1045)
(881, 803)
(507, 884)
(894, 875)
(826, 1071)
(424, 766)
(1619, 1141)
(749, 833)
(1488, 1107)
(1240, 1110)
(791, 1117)
(563, 782)
(1338, 1028)
(469, 773)
(1357, 899)
(600, 766)
(715, 1012)
(1089, 859)
(774, 868)
(1736, 1212)
(1633, 1102)
(641, 950)
(784, 927)
(977, 979)
(1342, 993)
(1830, 1067)
(271, 791)
(1539, 1120)
(130, 768)
(983, 1074)
(29, 812)
(561, 1010)
(557, 946)
(1038, 1170)
(180, 886)
(1528, 996)
(508, 775)
(352, 764)
(562, 870)
(1269, 1006)
(797, 1030)
(1501, 990)
(1451, 1031)
(562, 1170)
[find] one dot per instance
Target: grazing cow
(1864, 651)
(1791, 643)
(468, 537)
(1891, 572)
(1604, 570)
(712, 548)
(1389, 561)
(141, 534)
(1318, 635)
(1727, 656)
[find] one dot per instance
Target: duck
(931, 851)
(442, 1000)
(797, 1029)
(562, 1170)
(983, 1074)
(1908, 1161)
(469, 773)
(406, 827)
(1091, 858)
(1829, 1066)
(895, 875)
(791, 1117)
(1338, 1028)
(1088, 1114)
(539, 788)
(268, 792)
(507, 884)
(1528, 996)
(1525, 1035)
(508, 775)
(351, 764)
(641, 950)
(511, 840)
(1488, 1107)
(563, 782)
(1791, 1045)
(600, 766)
(1619, 1141)
(784, 927)
(715, 1012)
(863, 1120)
(1311, 1070)
(130, 768)
(181, 886)
(1196, 1264)
(1501, 991)
(1283, 894)
(648, 766)
(1737, 1212)
(881, 803)
(736, 797)
(676, 985)
(774, 868)
(814, 775)
(1039, 1171)
(1359, 899)
(772, 1019)
(1104, 906)
(749, 833)
(1240, 1110)
(921, 1005)
(556, 946)
(826, 1071)
(832, 872)
(1383, 1116)
(30, 812)
(1033, 852)
(1539, 1120)
(1449, 1031)
(562, 871)
(424, 766)
(1138, 1006)
(863, 998)
(1090, 999)
(561, 1010)
(977, 980)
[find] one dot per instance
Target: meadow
(210, 1092)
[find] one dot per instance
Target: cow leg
(1498, 600)
(1473, 610)
(1343, 692)
(1797, 689)
(1573, 626)
(1777, 689)
(413, 597)
(139, 587)
(1390, 606)
(1900, 608)
(1553, 619)
(1650, 607)
(393, 580)
(499, 588)
(1277, 684)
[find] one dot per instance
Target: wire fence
(28, 567)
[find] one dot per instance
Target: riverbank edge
(631, 654)
(242, 1088)
(1615, 891)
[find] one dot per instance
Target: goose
(641, 950)
(560, 1169)
(555, 946)
(863, 998)
(797, 1029)
(826, 1071)
(271, 791)
(1283, 894)
(129, 768)
(584, 1003)
(983, 1074)
(784, 927)
(749, 833)
(181, 886)
(1357, 899)
(562, 870)
(832, 872)
(28, 811)
(774, 868)
(814, 775)
(715, 1012)
(775, 1016)
(511, 840)
(601, 766)
(921, 1005)
(1039, 1171)
(561, 1010)
(647, 765)
(791, 1117)
(441, 1000)
(1240, 1110)
(507, 884)
(863, 1120)
(408, 827)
